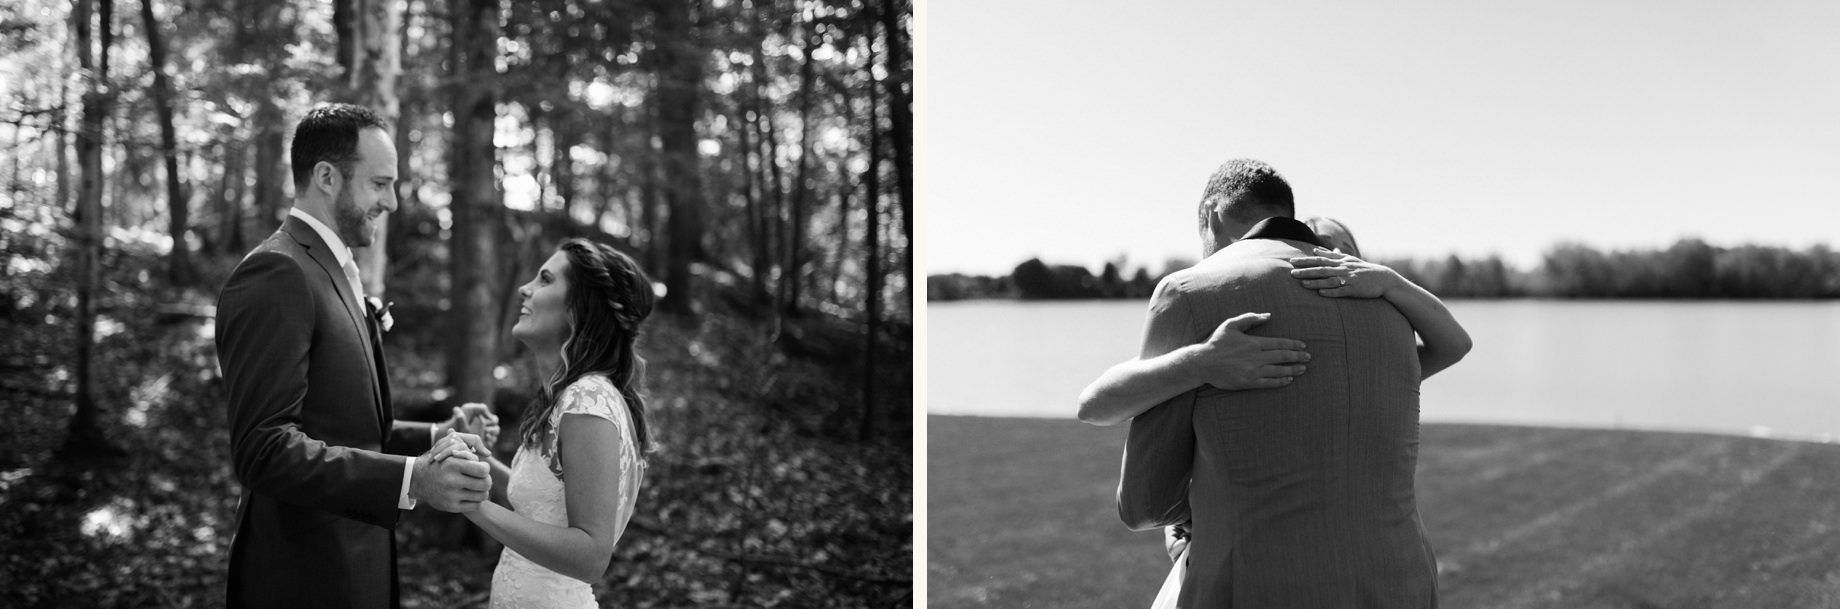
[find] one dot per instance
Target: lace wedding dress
(537, 493)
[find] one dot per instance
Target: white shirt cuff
(403, 500)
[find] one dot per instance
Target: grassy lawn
(1020, 514)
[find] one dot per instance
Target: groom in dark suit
(324, 468)
(1301, 496)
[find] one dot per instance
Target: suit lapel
(384, 416)
(321, 252)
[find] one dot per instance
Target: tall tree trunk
(680, 70)
(565, 133)
(760, 212)
(792, 279)
(845, 187)
(775, 189)
(395, 241)
(179, 263)
(539, 172)
(63, 143)
(271, 151)
(747, 119)
(86, 438)
(370, 48)
(901, 112)
(408, 191)
(651, 255)
(872, 180)
(606, 182)
(230, 200)
(478, 206)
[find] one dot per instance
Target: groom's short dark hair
(329, 133)
(1247, 190)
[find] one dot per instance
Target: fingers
(1281, 356)
(1329, 253)
(1271, 382)
(1281, 371)
(467, 486)
(473, 469)
(1244, 321)
(441, 453)
(1325, 283)
(1319, 272)
(1305, 262)
(476, 411)
(1272, 343)
(472, 442)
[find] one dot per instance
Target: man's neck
(320, 224)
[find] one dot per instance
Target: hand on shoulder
(1338, 275)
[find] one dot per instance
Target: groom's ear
(326, 176)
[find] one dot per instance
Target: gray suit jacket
(1300, 496)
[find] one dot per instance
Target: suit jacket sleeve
(1159, 454)
(266, 328)
(409, 438)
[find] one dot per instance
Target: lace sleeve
(596, 396)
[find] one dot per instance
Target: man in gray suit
(1302, 495)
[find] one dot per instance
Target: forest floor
(1020, 513)
(763, 492)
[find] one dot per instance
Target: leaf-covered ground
(761, 493)
(1020, 513)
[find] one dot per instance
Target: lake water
(1769, 368)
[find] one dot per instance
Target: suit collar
(340, 251)
(1279, 227)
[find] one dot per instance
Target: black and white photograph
(1417, 304)
(457, 303)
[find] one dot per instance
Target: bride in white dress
(571, 487)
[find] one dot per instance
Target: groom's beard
(353, 227)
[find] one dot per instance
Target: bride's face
(543, 319)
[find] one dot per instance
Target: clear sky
(1082, 130)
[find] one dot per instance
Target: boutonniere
(380, 311)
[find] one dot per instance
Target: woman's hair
(1331, 231)
(608, 297)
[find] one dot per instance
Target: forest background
(754, 155)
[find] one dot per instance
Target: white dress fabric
(537, 493)
(1172, 586)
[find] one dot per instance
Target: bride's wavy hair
(608, 298)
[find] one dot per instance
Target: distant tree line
(1689, 269)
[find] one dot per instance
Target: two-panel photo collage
(571, 304)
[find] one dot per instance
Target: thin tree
(478, 207)
(370, 49)
(802, 184)
(86, 438)
(179, 262)
(872, 179)
(901, 113)
(679, 63)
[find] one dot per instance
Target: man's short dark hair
(1247, 191)
(329, 133)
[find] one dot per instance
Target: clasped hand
(453, 477)
(1338, 275)
(474, 418)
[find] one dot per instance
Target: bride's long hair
(608, 299)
